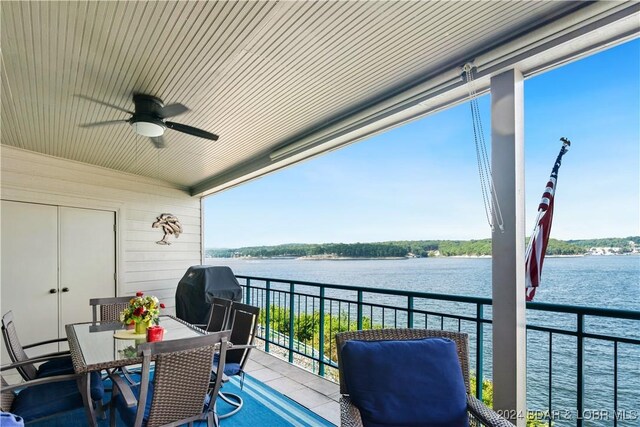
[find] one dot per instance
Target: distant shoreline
(322, 258)
(407, 249)
(345, 258)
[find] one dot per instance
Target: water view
(593, 281)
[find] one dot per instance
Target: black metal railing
(300, 319)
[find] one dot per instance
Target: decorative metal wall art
(170, 226)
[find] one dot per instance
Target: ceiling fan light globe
(148, 129)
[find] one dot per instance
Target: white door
(87, 261)
(54, 259)
(30, 271)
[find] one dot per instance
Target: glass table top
(95, 347)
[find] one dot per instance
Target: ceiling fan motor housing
(147, 121)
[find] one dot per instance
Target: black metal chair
(180, 391)
(218, 316)
(243, 323)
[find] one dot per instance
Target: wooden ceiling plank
(174, 62)
(13, 67)
(70, 13)
(264, 82)
(285, 85)
(346, 84)
(213, 50)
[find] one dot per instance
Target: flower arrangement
(142, 309)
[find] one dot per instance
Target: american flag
(540, 237)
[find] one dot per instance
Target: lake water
(592, 281)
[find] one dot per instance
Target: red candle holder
(155, 333)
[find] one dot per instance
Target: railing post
(410, 312)
(247, 297)
(291, 319)
(580, 385)
(267, 317)
(550, 392)
(479, 349)
(615, 383)
(359, 319)
(321, 337)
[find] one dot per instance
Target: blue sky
(420, 181)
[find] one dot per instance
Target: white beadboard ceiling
(259, 74)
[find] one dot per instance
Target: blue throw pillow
(406, 383)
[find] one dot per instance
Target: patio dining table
(107, 345)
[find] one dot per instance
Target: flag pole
(537, 247)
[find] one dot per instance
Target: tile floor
(311, 391)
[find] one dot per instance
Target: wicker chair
(109, 308)
(52, 395)
(58, 363)
(479, 414)
(50, 365)
(179, 391)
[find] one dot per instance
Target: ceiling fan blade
(108, 122)
(158, 141)
(191, 131)
(103, 103)
(172, 110)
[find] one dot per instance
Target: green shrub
(306, 327)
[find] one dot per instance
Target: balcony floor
(309, 390)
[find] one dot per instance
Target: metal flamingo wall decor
(170, 226)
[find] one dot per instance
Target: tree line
(410, 248)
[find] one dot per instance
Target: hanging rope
(489, 197)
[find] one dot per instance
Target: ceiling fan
(148, 119)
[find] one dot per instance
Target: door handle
(53, 291)
(65, 289)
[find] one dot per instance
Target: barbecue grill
(197, 288)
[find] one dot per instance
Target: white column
(509, 320)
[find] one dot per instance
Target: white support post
(508, 247)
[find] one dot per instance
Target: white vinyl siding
(142, 265)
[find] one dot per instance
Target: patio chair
(56, 363)
(109, 308)
(243, 322)
(476, 412)
(40, 398)
(179, 391)
(51, 364)
(218, 316)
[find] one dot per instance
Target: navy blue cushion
(230, 369)
(52, 367)
(406, 383)
(46, 399)
(64, 366)
(128, 414)
(97, 386)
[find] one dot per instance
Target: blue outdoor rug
(263, 406)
